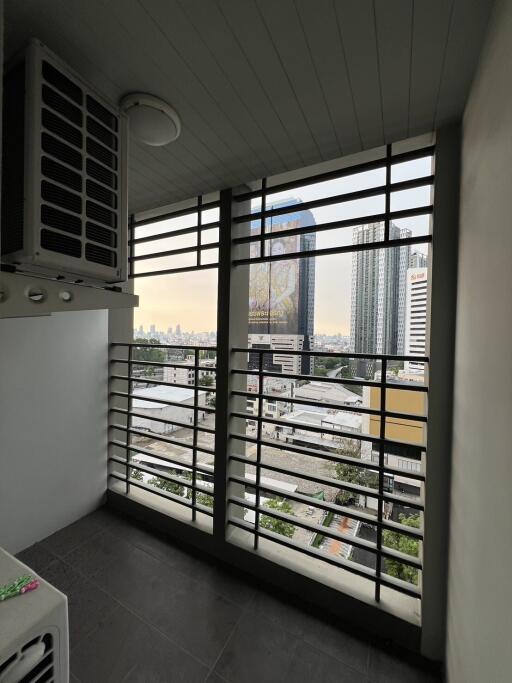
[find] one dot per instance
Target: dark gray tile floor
(143, 609)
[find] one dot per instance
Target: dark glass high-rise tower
(282, 293)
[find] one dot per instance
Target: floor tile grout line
(71, 550)
(120, 603)
(166, 562)
(243, 608)
(228, 640)
(317, 649)
(247, 608)
(107, 528)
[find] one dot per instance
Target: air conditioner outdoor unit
(33, 631)
(64, 181)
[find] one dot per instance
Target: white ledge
(28, 295)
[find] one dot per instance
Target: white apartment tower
(416, 316)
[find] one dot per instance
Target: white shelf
(24, 295)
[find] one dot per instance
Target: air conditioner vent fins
(75, 179)
(65, 85)
(61, 128)
(55, 241)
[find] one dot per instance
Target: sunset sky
(190, 299)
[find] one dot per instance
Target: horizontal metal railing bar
(161, 437)
(163, 494)
(424, 210)
(326, 531)
(171, 271)
(325, 481)
(176, 214)
(161, 364)
(340, 484)
(183, 425)
(331, 457)
(332, 354)
(203, 468)
(360, 570)
(334, 507)
(160, 473)
(359, 436)
(331, 251)
(184, 347)
(173, 233)
(335, 406)
(339, 173)
(349, 435)
(343, 198)
(174, 252)
(125, 394)
(149, 380)
(331, 380)
(403, 500)
(408, 474)
(352, 567)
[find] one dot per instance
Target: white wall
(480, 592)
(53, 422)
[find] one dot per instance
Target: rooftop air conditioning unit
(64, 181)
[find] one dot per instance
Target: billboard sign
(274, 286)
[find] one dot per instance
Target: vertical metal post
(131, 249)
(258, 448)
(380, 501)
(194, 437)
(263, 220)
(129, 417)
(223, 364)
(199, 224)
(232, 330)
(388, 195)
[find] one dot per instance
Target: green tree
(205, 381)
(278, 526)
(136, 474)
(165, 485)
(147, 354)
(204, 499)
(351, 474)
(345, 371)
(405, 544)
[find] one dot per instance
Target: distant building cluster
(175, 336)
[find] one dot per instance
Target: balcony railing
(162, 432)
(341, 495)
(358, 484)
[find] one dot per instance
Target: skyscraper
(379, 292)
(282, 293)
(418, 260)
(416, 316)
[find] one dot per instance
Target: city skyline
(165, 299)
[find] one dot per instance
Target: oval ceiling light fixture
(152, 121)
